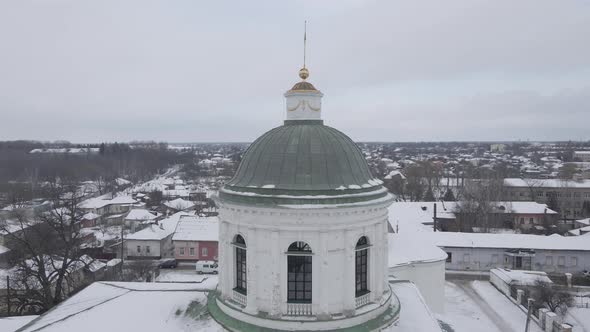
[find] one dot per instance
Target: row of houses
(569, 195)
(484, 251)
(527, 217)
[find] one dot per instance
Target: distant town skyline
(181, 71)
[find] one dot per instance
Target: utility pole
(8, 295)
(434, 217)
(122, 248)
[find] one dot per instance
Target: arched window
(241, 280)
(299, 273)
(361, 266)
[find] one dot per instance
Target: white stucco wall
(484, 259)
(429, 277)
(158, 248)
(303, 105)
(332, 235)
(131, 248)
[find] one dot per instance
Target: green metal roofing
(303, 158)
(302, 155)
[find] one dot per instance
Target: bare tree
(547, 295)
(567, 171)
(140, 270)
(479, 204)
(414, 185)
(45, 249)
(532, 185)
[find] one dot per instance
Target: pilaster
(349, 282)
(252, 278)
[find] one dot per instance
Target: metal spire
(303, 72)
(304, 42)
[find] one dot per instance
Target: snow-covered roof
(3, 249)
(175, 192)
(152, 232)
(140, 214)
(179, 204)
(520, 277)
(506, 241)
(66, 150)
(90, 216)
(113, 262)
(122, 182)
(98, 202)
(15, 226)
(193, 228)
(525, 207)
(92, 264)
(411, 216)
(405, 250)
(579, 231)
(121, 306)
(158, 232)
(545, 183)
(395, 173)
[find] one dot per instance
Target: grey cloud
(216, 71)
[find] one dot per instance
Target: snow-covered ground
(478, 306)
(178, 275)
(9, 324)
(412, 306)
(462, 312)
(579, 318)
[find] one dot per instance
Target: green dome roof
(303, 162)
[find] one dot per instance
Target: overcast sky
(392, 70)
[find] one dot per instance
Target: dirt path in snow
(498, 320)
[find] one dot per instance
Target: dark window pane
(361, 268)
(299, 278)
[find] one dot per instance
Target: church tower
(303, 229)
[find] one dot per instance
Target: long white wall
(550, 261)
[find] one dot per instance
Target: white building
(104, 205)
(582, 155)
(196, 238)
(154, 241)
(421, 263)
(482, 252)
(139, 216)
(303, 229)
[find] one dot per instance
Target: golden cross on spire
(303, 72)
